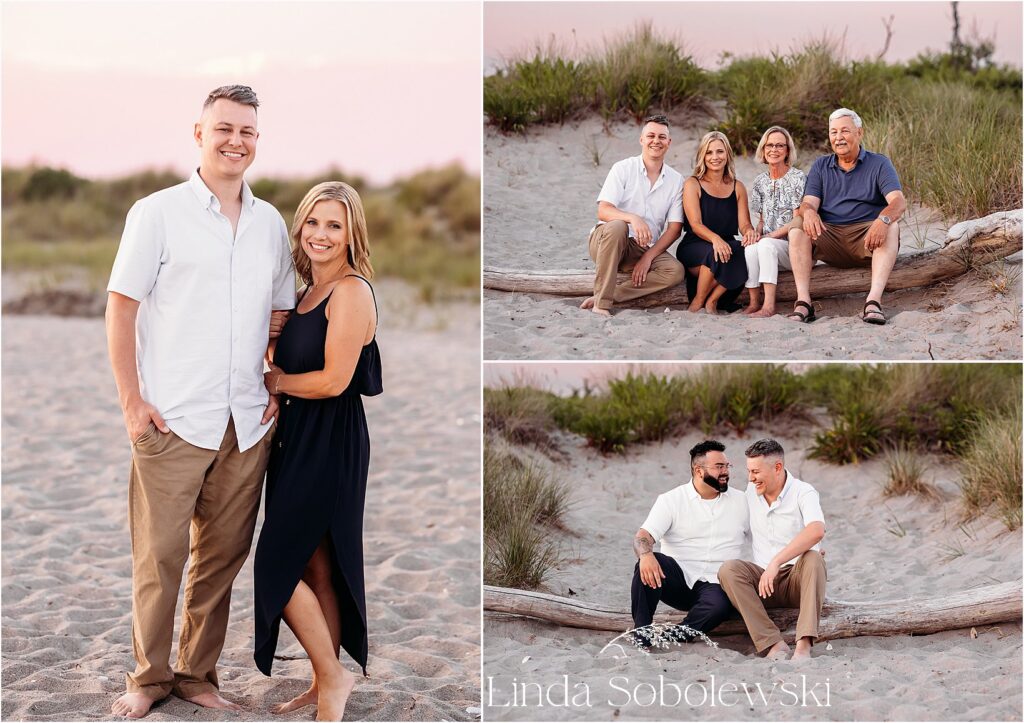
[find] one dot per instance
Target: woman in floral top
(775, 194)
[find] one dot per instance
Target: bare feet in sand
(764, 312)
(803, 650)
(752, 310)
(779, 651)
(588, 303)
(299, 701)
(214, 700)
(330, 704)
(711, 307)
(132, 705)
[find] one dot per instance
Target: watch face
(886, 220)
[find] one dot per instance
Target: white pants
(764, 259)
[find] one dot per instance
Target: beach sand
(67, 567)
(539, 205)
(945, 676)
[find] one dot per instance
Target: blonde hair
(700, 168)
(790, 152)
(355, 228)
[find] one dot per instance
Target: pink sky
(377, 89)
(745, 28)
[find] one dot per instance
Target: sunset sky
(742, 28)
(380, 90)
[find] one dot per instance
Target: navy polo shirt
(852, 196)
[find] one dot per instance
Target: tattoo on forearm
(643, 544)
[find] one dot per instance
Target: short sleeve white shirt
(773, 527)
(205, 300)
(628, 188)
(699, 534)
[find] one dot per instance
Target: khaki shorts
(842, 246)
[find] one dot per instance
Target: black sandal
(877, 311)
(803, 317)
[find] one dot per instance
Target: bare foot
(299, 701)
(764, 312)
(330, 704)
(752, 310)
(803, 650)
(132, 705)
(214, 700)
(779, 651)
(711, 307)
(588, 303)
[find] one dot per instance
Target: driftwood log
(967, 244)
(918, 616)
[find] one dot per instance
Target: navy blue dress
(316, 485)
(721, 216)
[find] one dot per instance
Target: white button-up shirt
(700, 534)
(773, 527)
(628, 189)
(206, 295)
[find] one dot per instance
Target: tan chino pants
(798, 586)
(187, 502)
(613, 252)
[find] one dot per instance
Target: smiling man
(199, 269)
(640, 214)
(848, 218)
(700, 525)
(786, 524)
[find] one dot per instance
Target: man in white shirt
(786, 523)
(640, 214)
(700, 525)
(199, 269)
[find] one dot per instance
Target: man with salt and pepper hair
(640, 214)
(200, 267)
(848, 218)
(786, 524)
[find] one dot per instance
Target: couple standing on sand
(702, 526)
(198, 299)
(845, 212)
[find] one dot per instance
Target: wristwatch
(885, 219)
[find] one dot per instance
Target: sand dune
(947, 676)
(539, 205)
(66, 563)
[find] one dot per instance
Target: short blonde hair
(355, 227)
(790, 152)
(700, 168)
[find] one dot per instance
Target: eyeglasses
(775, 146)
(719, 466)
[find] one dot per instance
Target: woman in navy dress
(714, 213)
(309, 558)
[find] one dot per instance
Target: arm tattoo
(643, 543)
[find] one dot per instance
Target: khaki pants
(175, 486)
(798, 586)
(613, 251)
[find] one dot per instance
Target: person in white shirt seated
(700, 525)
(786, 527)
(640, 214)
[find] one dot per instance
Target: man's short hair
(659, 119)
(846, 113)
(765, 448)
(700, 451)
(242, 94)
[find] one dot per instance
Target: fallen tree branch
(916, 616)
(968, 244)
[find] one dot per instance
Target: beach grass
(991, 469)
(521, 413)
(522, 503)
(906, 468)
(952, 126)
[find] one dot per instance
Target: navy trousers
(706, 602)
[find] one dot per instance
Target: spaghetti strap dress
(721, 216)
(316, 486)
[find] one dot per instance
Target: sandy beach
(66, 563)
(945, 676)
(539, 205)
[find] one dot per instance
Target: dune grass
(906, 469)
(521, 413)
(424, 228)
(991, 468)
(951, 127)
(522, 504)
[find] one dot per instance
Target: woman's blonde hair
(790, 152)
(355, 227)
(700, 167)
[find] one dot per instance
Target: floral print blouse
(776, 200)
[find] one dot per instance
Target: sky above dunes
(747, 28)
(380, 90)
